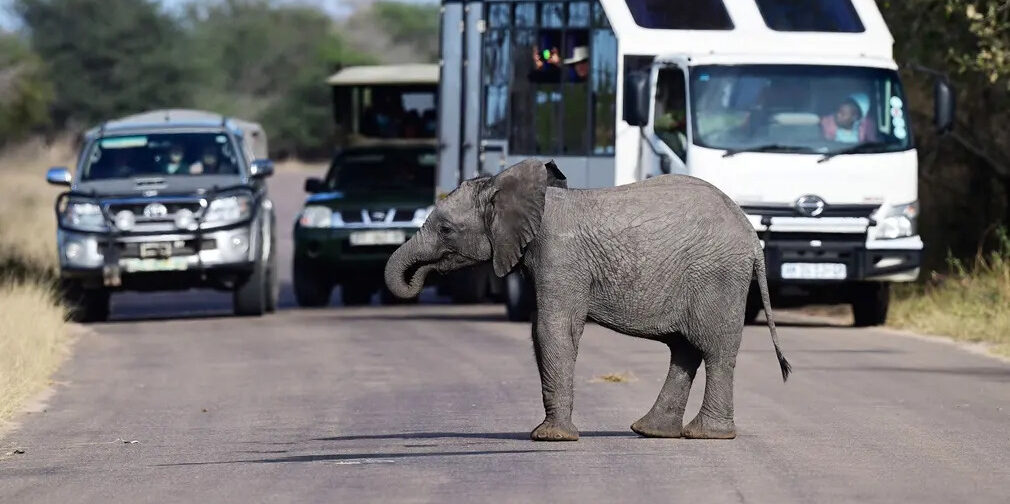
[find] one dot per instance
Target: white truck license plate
(391, 237)
(814, 271)
(167, 264)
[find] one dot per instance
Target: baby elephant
(669, 259)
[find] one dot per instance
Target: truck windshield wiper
(863, 147)
(767, 148)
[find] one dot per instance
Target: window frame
(762, 6)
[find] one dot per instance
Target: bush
(25, 91)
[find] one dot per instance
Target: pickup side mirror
(59, 176)
(636, 98)
(261, 168)
(314, 185)
(943, 106)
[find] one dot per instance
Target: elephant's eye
(445, 229)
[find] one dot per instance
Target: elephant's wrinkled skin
(669, 259)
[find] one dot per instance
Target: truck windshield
(159, 155)
(383, 172)
(798, 108)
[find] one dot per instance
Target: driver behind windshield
(175, 157)
(847, 124)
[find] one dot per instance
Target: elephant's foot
(707, 428)
(657, 426)
(553, 430)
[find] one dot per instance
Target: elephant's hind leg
(715, 419)
(666, 418)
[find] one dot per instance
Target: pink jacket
(829, 129)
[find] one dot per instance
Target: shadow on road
(378, 314)
(519, 436)
(363, 458)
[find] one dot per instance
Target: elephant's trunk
(407, 268)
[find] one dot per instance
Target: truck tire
(388, 298)
(249, 299)
(312, 289)
(469, 286)
(87, 305)
(520, 298)
(870, 303)
(356, 294)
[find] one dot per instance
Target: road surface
(176, 401)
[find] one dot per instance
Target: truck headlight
(84, 216)
(315, 216)
(421, 215)
(228, 210)
(900, 221)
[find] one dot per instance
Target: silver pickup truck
(167, 200)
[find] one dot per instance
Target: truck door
(450, 92)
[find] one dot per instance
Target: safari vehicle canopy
(379, 104)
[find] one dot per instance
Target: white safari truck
(794, 109)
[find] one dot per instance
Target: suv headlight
(421, 215)
(900, 221)
(84, 216)
(315, 216)
(228, 210)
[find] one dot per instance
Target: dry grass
(969, 304)
(33, 330)
(33, 337)
(625, 377)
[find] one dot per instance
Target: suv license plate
(394, 237)
(168, 264)
(814, 271)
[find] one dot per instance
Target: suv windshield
(162, 154)
(798, 108)
(383, 171)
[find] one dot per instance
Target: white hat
(580, 53)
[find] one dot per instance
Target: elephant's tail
(762, 281)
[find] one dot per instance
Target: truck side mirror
(943, 103)
(59, 176)
(314, 185)
(636, 98)
(261, 168)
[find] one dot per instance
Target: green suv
(372, 200)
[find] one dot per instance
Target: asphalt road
(434, 403)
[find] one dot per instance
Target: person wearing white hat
(579, 62)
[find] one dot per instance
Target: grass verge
(971, 303)
(33, 328)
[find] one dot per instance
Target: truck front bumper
(329, 251)
(896, 260)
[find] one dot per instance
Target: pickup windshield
(391, 171)
(802, 108)
(161, 155)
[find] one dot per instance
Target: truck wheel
(870, 303)
(753, 307)
(520, 298)
(355, 294)
(388, 298)
(469, 286)
(250, 295)
(312, 289)
(87, 305)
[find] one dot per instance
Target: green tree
(107, 57)
(25, 91)
(396, 32)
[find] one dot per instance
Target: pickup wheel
(870, 303)
(356, 294)
(87, 305)
(250, 295)
(312, 288)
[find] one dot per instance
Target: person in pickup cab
(175, 155)
(847, 124)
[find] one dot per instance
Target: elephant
(670, 259)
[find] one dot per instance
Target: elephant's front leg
(556, 344)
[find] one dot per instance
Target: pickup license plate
(167, 264)
(814, 271)
(390, 237)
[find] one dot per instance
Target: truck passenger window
(811, 15)
(549, 74)
(671, 110)
(681, 14)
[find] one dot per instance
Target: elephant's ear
(516, 207)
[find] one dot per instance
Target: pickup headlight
(421, 215)
(315, 216)
(84, 216)
(228, 210)
(900, 221)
